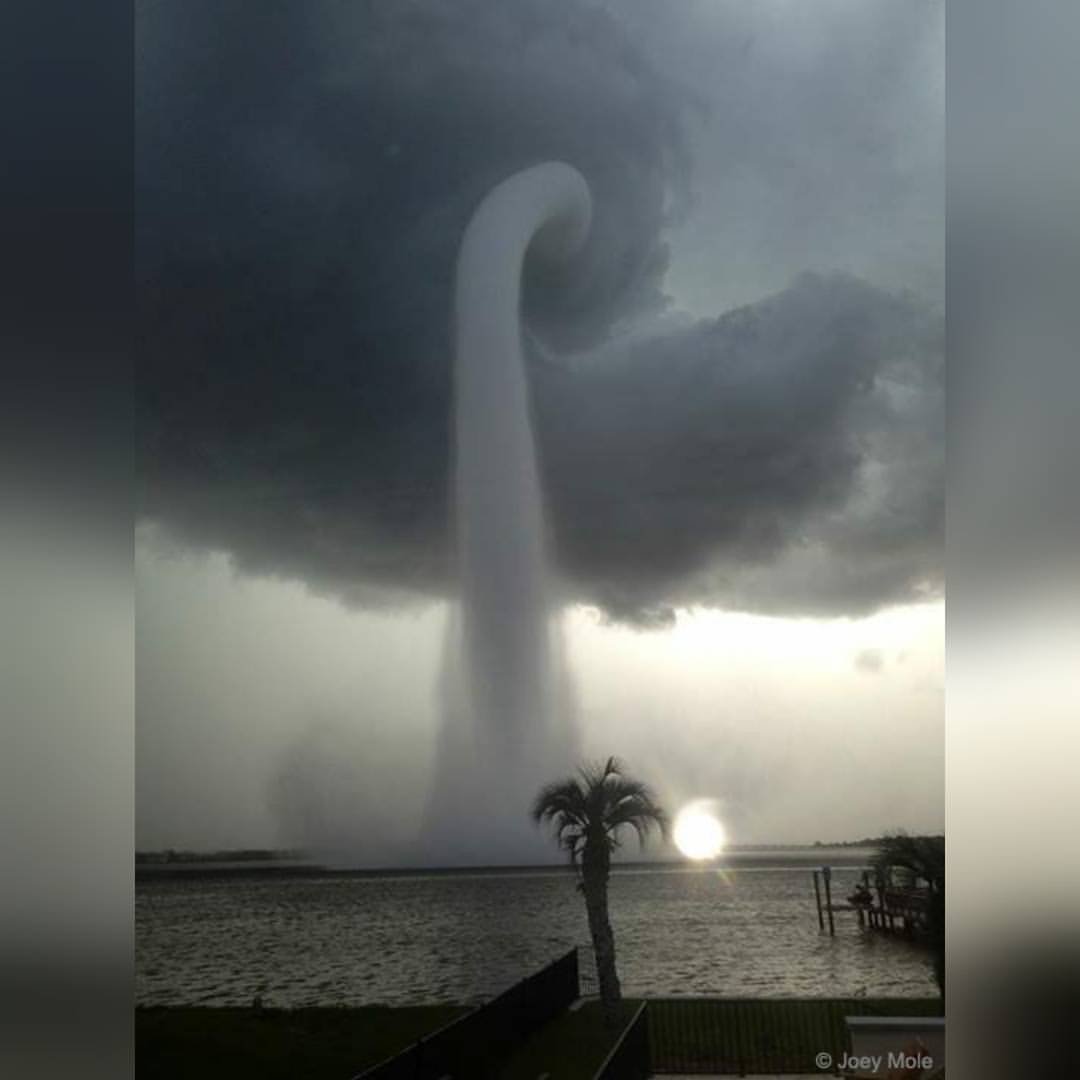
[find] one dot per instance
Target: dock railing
(472, 1047)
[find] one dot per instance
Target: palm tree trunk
(594, 885)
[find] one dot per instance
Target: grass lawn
(761, 1036)
(275, 1044)
(686, 1035)
(572, 1047)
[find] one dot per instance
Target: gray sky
(746, 504)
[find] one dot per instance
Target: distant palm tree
(587, 813)
(921, 857)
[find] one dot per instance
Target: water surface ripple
(352, 940)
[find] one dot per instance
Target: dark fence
(740, 1037)
(630, 1058)
(473, 1046)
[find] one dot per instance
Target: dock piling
(817, 896)
(826, 873)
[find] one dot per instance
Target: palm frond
(562, 796)
(923, 856)
(635, 805)
(592, 807)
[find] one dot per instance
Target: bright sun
(698, 835)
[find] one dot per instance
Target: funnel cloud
(506, 725)
(715, 431)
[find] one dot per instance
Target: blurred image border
(1013, 540)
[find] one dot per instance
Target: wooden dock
(880, 905)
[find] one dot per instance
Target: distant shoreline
(776, 857)
(172, 856)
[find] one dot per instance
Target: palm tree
(587, 812)
(921, 857)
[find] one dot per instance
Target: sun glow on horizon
(698, 834)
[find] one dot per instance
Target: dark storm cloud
(786, 457)
(303, 181)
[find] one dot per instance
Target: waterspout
(505, 716)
